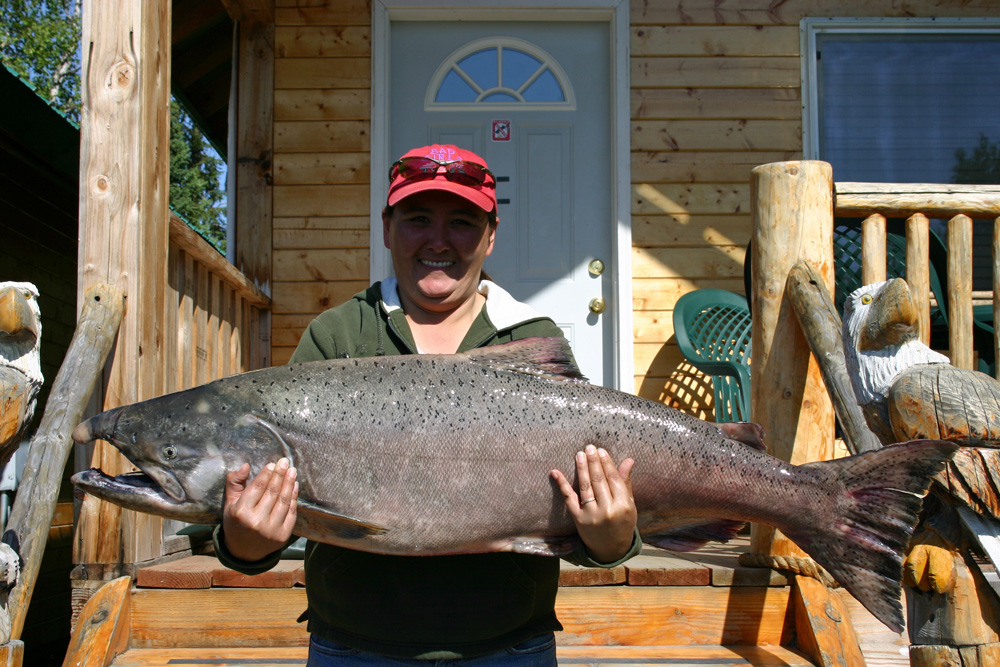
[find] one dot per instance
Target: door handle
(597, 305)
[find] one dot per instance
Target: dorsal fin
(549, 358)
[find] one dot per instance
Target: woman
(439, 223)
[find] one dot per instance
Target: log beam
(792, 217)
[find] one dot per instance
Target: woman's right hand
(259, 513)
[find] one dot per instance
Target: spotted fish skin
(437, 454)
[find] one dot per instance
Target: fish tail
(879, 502)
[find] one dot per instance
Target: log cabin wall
(715, 91)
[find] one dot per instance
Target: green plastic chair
(713, 332)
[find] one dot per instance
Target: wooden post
(792, 210)
(254, 121)
(960, 291)
(873, 249)
(124, 231)
(28, 527)
(918, 274)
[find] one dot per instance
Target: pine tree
(981, 167)
(40, 42)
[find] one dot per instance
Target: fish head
(183, 444)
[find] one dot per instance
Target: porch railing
(216, 315)
(963, 206)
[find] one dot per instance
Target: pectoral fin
(321, 521)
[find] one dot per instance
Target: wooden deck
(660, 608)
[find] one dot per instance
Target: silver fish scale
(442, 447)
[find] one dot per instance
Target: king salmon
(444, 454)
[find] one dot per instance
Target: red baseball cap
(484, 196)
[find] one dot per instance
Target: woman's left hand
(604, 510)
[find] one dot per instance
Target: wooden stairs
(660, 608)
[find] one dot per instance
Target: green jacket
(413, 606)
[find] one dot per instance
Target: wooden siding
(715, 91)
(322, 109)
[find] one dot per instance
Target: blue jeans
(536, 652)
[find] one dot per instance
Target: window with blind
(904, 101)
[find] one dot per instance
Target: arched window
(499, 73)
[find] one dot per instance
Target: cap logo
(443, 154)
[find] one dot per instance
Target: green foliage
(40, 42)
(195, 194)
(981, 167)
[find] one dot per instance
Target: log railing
(963, 206)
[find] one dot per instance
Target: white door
(533, 98)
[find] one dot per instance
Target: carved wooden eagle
(908, 391)
(20, 362)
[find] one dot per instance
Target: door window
(499, 72)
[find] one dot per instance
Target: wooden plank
(314, 297)
(674, 615)
(734, 72)
(691, 263)
(656, 326)
(320, 264)
(288, 239)
(823, 626)
(185, 573)
(873, 249)
(703, 167)
(320, 168)
(702, 103)
(665, 231)
(716, 135)
(751, 12)
(662, 293)
(680, 656)
(656, 567)
(577, 575)
(654, 198)
(320, 222)
(321, 200)
(306, 136)
(124, 218)
(322, 41)
(322, 104)
(343, 12)
(217, 617)
(592, 656)
(714, 40)
(881, 646)
(322, 72)
(249, 11)
(102, 629)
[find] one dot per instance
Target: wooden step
(591, 656)
(626, 615)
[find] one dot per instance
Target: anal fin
(695, 535)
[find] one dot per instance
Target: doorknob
(597, 305)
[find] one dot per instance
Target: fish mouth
(138, 491)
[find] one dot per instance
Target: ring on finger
(588, 500)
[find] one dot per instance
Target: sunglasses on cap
(424, 169)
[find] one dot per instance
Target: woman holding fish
(439, 224)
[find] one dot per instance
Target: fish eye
(169, 452)
(866, 299)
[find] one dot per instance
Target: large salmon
(440, 454)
